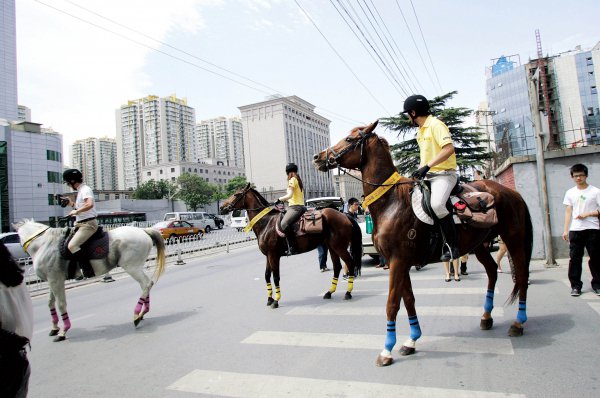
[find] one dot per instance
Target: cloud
(73, 75)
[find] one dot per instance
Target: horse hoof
(327, 295)
(270, 301)
(348, 296)
(275, 304)
(486, 324)
(60, 338)
(138, 319)
(515, 331)
(384, 361)
(404, 350)
(53, 332)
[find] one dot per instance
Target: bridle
(242, 196)
(354, 142)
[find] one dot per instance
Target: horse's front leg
(273, 261)
(409, 345)
(57, 288)
(51, 304)
(491, 269)
(269, 286)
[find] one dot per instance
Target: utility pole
(541, 168)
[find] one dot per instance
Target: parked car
(219, 222)
(13, 244)
(171, 230)
(239, 219)
(198, 219)
(338, 203)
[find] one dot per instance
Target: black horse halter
(354, 142)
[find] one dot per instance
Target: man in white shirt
(85, 218)
(582, 228)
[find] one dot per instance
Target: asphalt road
(210, 333)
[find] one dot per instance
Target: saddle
(311, 222)
(468, 205)
(95, 248)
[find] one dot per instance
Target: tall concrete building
(8, 61)
(152, 131)
(221, 138)
(283, 130)
(24, 113)
(97, 160)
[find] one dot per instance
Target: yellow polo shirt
(297, 195)
(432, 137)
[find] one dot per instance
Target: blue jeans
(322, 249)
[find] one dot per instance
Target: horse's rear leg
(269, 286)
(57, 292)
(273, 266)
(491, 269)
(336, 254)
(143, 304)
(337, 266)
(518, 260)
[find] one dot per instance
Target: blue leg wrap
(415, 329)
(390, 337)
(522, 314)
(489, 301)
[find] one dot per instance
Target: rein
(31, 239)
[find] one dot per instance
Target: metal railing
(177, 250)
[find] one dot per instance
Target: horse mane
(384, 142)
(260, 198)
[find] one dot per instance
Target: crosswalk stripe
(595, 306)
(432, 291)
(473, 345)
(247, 385)
(342, 310)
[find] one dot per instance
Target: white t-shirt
(84, 192)
(583, 201)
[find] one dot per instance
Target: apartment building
(97, 160)
(221, 138)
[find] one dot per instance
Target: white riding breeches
(441, 186)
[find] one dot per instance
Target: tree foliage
(234, 184)
(195, 191)
(469, 143)
(161, 189)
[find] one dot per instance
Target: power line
(426, 46)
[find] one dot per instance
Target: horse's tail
(528, 249)
(159, 242)
(356, 247)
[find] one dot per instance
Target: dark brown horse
(404, 240)
(337, 235)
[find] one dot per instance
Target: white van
(239, 219)
(198, 219)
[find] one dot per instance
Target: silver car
(13, 244)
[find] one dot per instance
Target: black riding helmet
(417, 103)
(291, 167)
(72, 176)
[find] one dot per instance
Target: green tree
(155, 190)
(195, 191)
(469, 143)
(234, 184)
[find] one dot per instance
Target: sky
(79, 61)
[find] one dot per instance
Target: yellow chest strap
(28, 241)
(256, 218)
(383, 188)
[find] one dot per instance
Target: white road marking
(595, 306)
(230, 384)
(73, 320)
(341, 310)
(473, 345)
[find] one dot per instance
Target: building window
(53, 155)
(161, 171)
(51, 200)
(53, 176)
(594, 90)
(149, 173)
(172, 178)
(172, 169)
(107, 196)
(117, 196)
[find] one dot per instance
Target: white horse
(128, 248)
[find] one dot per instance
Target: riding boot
(290, 237)
(85, 265)
(449, 232)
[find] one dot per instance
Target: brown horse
(404, 240)
(338, 234)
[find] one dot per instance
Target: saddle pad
(95, 248)
(417, 206)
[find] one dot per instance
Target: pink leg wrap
(66, 322)
(147, 304)
(138, 306)
(54, 316)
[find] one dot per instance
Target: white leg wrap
(386, 353)
(410, 343)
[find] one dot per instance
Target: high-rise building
(8, 61)
(283, 130)
(221, 138)
(567, 93)
(152, 131)
(97, 160)
(24, 113)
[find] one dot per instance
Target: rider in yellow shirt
(438, 165)
(295, 198)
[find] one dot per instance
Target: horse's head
(348, 152)
(237, 200)
(28, 230)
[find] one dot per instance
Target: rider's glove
(278, 202)
(421, 172)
